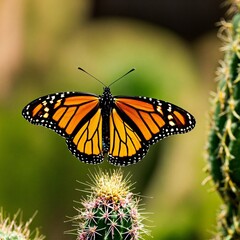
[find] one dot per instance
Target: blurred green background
(41, 45)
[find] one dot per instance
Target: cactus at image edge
(14, 229)
(223, 147)
(110, 211)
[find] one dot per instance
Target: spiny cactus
(110, 211)
(224, 134)
(16, 230)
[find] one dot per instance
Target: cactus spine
(110, 211)
(14, 229)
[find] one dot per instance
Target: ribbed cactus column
(110, 211)
(224, 133)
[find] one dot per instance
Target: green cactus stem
(110, 211)
(14, 229)
(223, 147)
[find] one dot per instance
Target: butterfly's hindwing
(86, 144)
(126, 147)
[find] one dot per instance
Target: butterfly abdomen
(106, 105)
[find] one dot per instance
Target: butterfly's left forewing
(75, 116)
(139, 122)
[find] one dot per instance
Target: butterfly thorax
(106, 102)
(106, 105)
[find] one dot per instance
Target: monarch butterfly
(120, 127)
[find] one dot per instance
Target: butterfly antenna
(91, 76)
(122, 76)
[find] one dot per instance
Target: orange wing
(124, 141)
(138, 122)
(75, 116)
